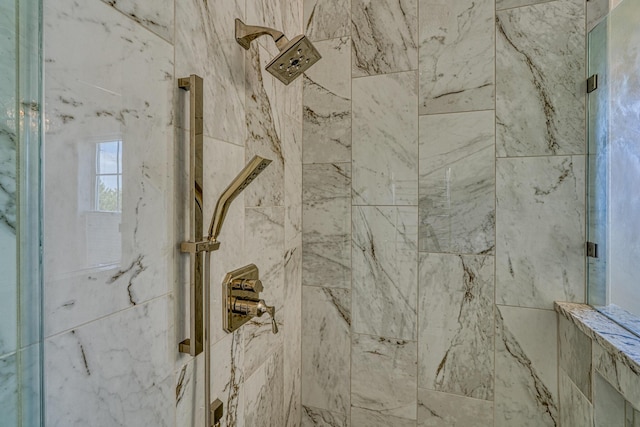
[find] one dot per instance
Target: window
(108, 192)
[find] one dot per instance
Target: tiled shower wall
(116, 284)
(443, 209)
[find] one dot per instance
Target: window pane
(108, 157)
(108, 193)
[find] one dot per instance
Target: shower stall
(423, 209)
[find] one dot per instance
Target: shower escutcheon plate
(241, 299)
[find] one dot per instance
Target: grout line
(114, 313)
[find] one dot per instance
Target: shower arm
(245, 34)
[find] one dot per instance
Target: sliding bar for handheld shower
(195, 246)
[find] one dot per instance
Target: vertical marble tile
(114, 371)
(327, 104)
(8, 291)
(383, 376)
(8, 164)
(575, 355)
(384, 36)
(156, 15)
(455, 327)
(226, 384)
(314, 417)
(326, 237)
(263, 137)
(575, 408)
(540, 231)
(292, 316)
(99, 262)
(327, 19)
(264, 246)
(540, 95)
(385, 140)
(615, 369)
(457, 183)
(385, 271)
(205, 45)
(326, 349)
(373, 418)
(9, 389)
(437, 409)
(608, 404)
(264, 392)
(456, 56)
(526, 367)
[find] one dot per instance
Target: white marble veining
(326, 349)
(8, 137)
(326, 237)
(608, 404)
(205, 45)
(575, 408)
(114, 371)
(9, 389)
(616, 351)
(314, 417)
(226, 384)
(384, 376)
(575, 355)
(293, 319)
(155, 15)
(437, 409)
(264, 393)
(263, 136)
(455, 327)
(456, 56)
(540, 230)
(540, 95)
(99, 262)
(385, 140)
(457, 183)
(373, 418)
(384, 36)
(8, 293)
(526, 380)
(385, 271)
(264, 228)
(327, 19)
(327, 104)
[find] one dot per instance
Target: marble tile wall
(598, 360)
(461, 136)
(113, 323)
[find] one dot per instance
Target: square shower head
(294, 59)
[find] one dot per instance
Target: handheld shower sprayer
(239, 183)
(296, 56)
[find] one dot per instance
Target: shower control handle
(248, 307)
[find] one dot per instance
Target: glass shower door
(20, 289)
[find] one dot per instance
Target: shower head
(295, 57)
(239, 183)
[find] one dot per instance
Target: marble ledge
(614, 339)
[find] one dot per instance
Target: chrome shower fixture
(295, 57)
(239, 183)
